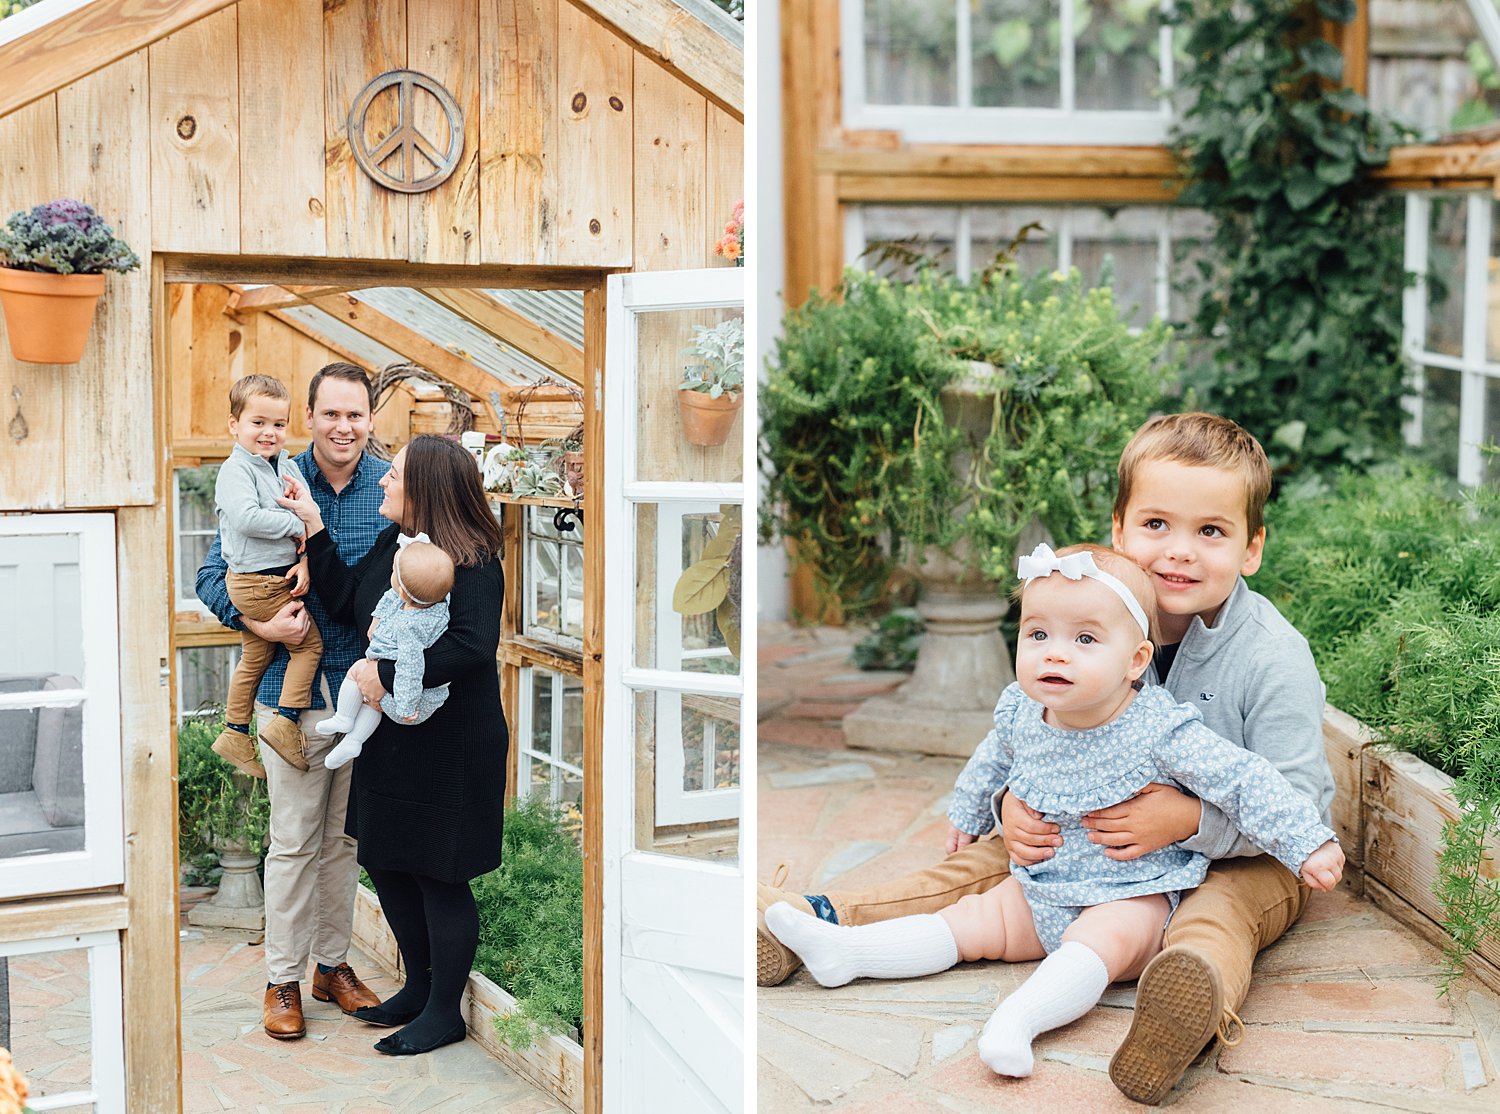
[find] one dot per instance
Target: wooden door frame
(147, 904)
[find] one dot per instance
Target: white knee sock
(1066, 986)
(836, 954)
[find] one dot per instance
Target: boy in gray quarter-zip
(1192, 492)
(260, 542)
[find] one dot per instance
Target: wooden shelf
(558, 502)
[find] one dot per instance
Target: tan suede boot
(286, 739)
(774, 961)
(236, 748)
(1179, 1006)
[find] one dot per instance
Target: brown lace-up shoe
(286, 739)
(1179, 1006)
(283, 1012)
(342, 986)
(774, 961)
(236, 748)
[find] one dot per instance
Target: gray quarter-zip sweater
(254, 532)
(1252, 677)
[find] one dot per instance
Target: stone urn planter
(240, 901)
(1389, 810)
(964, 663)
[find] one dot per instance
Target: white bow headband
(402, 541)
(1076, 566)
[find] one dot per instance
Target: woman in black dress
(427, 800)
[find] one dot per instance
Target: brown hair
(351, 373)
(426, 572)
(1200, 441)
(1127, 572)
(249, 386)
(445, 500)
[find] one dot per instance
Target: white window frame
(106, 1092)
(624, 493)
(965, 123)
(1474, 368)
(525, 729)
(190, 601)
(101, 862)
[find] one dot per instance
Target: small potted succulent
(52, 264)
(712, 389)
(569, 460)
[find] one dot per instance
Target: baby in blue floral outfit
(1075, 733)
(410, 617)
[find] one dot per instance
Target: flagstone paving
(1343, 1014)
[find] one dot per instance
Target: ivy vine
(1298, 307)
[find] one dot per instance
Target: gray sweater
(1252, 677)
(254, 531)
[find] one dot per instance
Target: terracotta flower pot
(572, 470)
(47, 316)
(705, 420)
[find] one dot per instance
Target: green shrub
(892, 644)
(213, 798)
(1394, 578)
(531, 923)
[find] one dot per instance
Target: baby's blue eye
(1086, 639)
(1036, 635)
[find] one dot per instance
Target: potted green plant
(712, 388)
(53, 259)
(926, 426)
(223, 820)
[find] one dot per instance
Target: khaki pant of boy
(311, 870)
(1242, 906)
(260, 598)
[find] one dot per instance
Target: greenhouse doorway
(674, 929)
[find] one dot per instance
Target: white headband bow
(402, 541)
(1076, 566)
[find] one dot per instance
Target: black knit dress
(428, 798)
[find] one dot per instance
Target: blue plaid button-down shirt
(353, 521)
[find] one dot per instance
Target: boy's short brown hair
(426, 572)
(249, 386)
(1123, 569)
(1200, 441)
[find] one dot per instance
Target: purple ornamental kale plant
(63, 237)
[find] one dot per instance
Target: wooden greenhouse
(594, 150)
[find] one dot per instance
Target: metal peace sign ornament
(405, 139)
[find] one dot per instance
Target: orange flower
(13, 1088)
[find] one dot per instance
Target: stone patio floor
(228, 1062)
(1343, 1014)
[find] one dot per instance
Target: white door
(674, 714)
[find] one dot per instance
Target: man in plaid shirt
(311, 872)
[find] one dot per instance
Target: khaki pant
(311, 870)
(1243, 905)
(260, 598)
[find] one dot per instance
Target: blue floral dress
(1065, 774)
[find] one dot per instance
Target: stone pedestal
(240, 901)
(948, 705)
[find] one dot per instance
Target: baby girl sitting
(1075, 734)
(409, 618)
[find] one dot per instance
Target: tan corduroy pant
(1243, 905)
(311, 871)
(260, 598)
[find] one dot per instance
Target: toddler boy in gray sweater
(261, 543)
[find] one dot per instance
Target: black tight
(437, 929)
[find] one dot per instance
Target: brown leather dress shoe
(283, 1012)
(342, 985)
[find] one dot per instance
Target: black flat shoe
(386, 1019)
(397, 1045)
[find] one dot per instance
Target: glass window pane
(1445, 276)
(1120, 247)
(545, 570)
(1192, 233)
(1440, 418)
(41, 773)
(571, 750)
(1116, 62)
(1491, 460)
(677, 737)
(994, 227)
(693, 553)
(1017, 49)
(896, 236)
(572, 604)
(668, 343)
(911, 52)
(40, 594)
(51, 1033)
(541, 712)
(203, 678)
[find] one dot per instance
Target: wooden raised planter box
(553, 1063)
(1389, 809)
